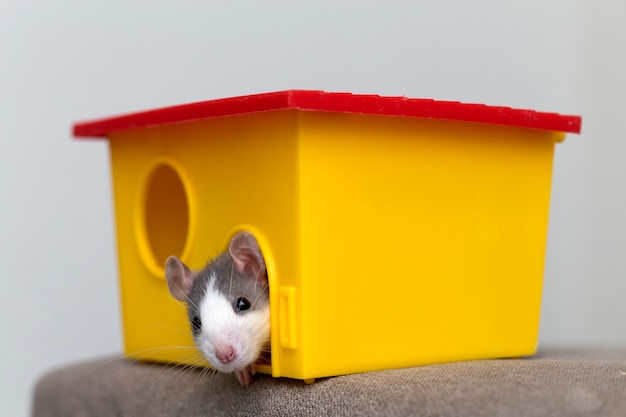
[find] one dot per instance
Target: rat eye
(196, 324)
(242, 304)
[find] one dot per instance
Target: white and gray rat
(227, 305)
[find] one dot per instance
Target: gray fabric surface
(550, 384)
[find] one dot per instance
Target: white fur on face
(246, 332)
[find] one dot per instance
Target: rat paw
(244, 376)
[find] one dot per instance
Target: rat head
(227, 304)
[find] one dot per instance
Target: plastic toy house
(397, 232)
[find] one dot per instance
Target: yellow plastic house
(396, 231)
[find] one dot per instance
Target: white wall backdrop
(68, 60)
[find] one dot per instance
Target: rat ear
(179, 278)
(246, 255)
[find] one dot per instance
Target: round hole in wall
(165, 215)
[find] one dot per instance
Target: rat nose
(225, 353)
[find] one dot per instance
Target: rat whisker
(175, 330)
(204, 372)
(230, 288)
(260, 293)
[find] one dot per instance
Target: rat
(228, 306)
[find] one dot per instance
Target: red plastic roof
(332, 102)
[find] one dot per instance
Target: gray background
(63, 61)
